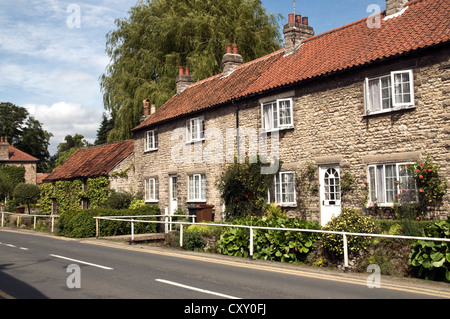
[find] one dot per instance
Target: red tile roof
(16, 155)
(423, 24)
(92, 162)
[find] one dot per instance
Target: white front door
(330, 193)
(173, 194)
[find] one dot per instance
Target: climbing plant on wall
(46, 198)
(97, 191)
(68, 194)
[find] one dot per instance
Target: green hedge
(81, 223)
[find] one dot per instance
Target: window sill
(392, 110)
(150, 151)
(263, 131)
(152, 201)
(287, 205)
(196, 141)
(196, 201)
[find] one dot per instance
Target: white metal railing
(253, 228)
(168, 221)
(35, 217)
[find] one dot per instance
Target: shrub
(350, 220)
(81, 223)
(284, 246)
(200, 237)
(243, 188)
(26, 194)
(118, 200)
(432, 259)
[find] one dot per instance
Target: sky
(52, 53)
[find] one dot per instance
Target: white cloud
(64, 118)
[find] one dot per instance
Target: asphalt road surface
(40, 266)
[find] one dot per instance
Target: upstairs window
(389, 92)
(277, 115)
(195, 129)
(151, 141)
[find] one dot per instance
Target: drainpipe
(237, 128)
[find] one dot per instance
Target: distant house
(11, 156)
(114, 161)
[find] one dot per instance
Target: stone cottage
(114, 161)
(365, 99)
(11, 156)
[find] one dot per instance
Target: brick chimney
(231, 59)
(149, 109)
(4, 149)
(183, 79)
(295, 31)
(394, 6)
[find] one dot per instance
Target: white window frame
(195, 129)
(374, 175)
(151, 141)
(151, 188)
(275, 124)
(197, 188)
(394, 86)
(279, 195)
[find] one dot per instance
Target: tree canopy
(26, 133)
(160, 35)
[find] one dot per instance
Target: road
(38, 266)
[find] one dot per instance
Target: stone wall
(123, 177)
(330, 127)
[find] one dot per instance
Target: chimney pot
(146, 107)
(305, 21)
(290, 18)
(180, 70)
(298, 19)
(235, 49)
(186, 71)
(229, 49)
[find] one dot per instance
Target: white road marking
(23, 248)
(82, 262)
(9, 245)
(195, 289)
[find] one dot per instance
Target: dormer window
(390, 92)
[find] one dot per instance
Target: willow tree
(147, 47)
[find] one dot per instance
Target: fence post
(34, 222)
(96, 228)
(251, 243)
(181, 235)
(53, 223)
(345, 253)
(132, 231)
(3, 217)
